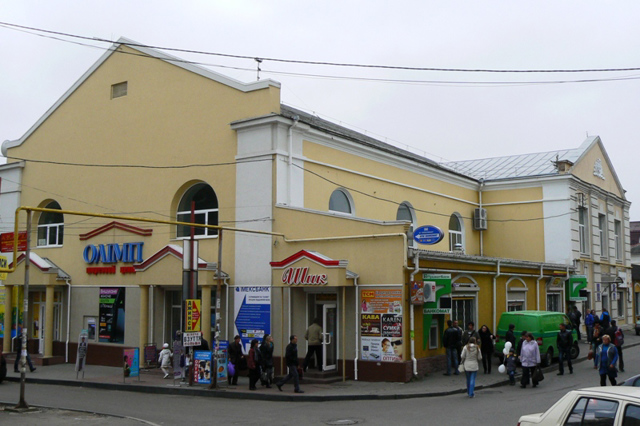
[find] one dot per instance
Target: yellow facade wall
(585, 167)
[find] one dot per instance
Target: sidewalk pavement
(151, 381)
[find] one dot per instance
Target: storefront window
(553, 302)
(463, 310)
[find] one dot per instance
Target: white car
(602, 406)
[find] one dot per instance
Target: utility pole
(216, 332)
(25, 314)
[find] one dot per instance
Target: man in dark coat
(450, 341)
(564, 341)
(235, 358)
(617, 339)
(510, 336)
(291, 358)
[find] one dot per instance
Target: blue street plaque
(428, 234)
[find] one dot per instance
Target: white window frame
(621, 305)
(412, 215)
(49, 226)
(558, 296)
(456, 236)
(602, 229)
(208, 232)
(583, 222)
(434, 334)
(346, 193)
(617, 229)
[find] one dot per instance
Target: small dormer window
(119, 90)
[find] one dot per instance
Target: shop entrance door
(329, 343)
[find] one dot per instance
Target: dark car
(638, 328)
(3, 367)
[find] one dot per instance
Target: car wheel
(637, 332)
(575, 351)
(548, 358)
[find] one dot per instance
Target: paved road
(499, 406)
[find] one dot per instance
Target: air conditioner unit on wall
(480, 219)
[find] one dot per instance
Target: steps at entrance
(325, 377)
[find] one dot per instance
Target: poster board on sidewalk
(81, 354)
(381, 325)
(202, 367)
(131, 366)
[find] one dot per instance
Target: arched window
(406, 212)
(51, 227)
(206, 210)
(341, 201)
(456, 240)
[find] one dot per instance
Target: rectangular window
(51, 234)
(593, 411)
(582, 230)
(553, 302)
(621, 299)
(464, 311)
(119, 90)
(602, 229)
(605, 300)
(618, 239)
(455, 240)
(433, 334)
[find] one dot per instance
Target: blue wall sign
(428, 234)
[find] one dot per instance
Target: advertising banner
(381, 325)
(574, 284)
(17, 307)
(192, 339)
(178, 354)
(83, 346)
(131, 362)
(193, 315)
(111, 315)
(3, 264)
(438, 286)
(6, 241)
(222, 359)
(417, 292)
(252, 314)
(202, 367)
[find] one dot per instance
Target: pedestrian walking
(575, 317)
(605, 320)
(291, 358)
(564, 342)
(617, 338)
(314, 336)
(605, 361)
(589, 322)
(511, 363)
(450, 340)
(266, 355)
(253, 362)
(459, 340)
(469, 333)
(486, 347)
(28, 361)
(471, 356)
(235, 357)
(164, 359)
(510, 335)
(530, 359)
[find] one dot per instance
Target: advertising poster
(381, 325)
(16, 310)
(111, 312)
(252, 314)
(131, 362)
(83, 346)
(370, 325)
(202, 367)
(439, 286)
(222, 359)
(193, 315)
(178, 353)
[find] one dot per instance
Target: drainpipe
(66, 349)
(416, 264)
(290, 160)
(226, 320)
(495, 277)
(355, 361)
(538, 288)
(482, 232)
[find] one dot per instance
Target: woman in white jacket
(470, 358)
(529, 358)
(165, 359)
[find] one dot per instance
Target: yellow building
(324, 222)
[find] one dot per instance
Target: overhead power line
(327, 63)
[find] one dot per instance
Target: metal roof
(519, 166)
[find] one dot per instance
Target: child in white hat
(165, 359)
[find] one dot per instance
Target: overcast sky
(444, 115)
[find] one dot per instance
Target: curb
(271, 397)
